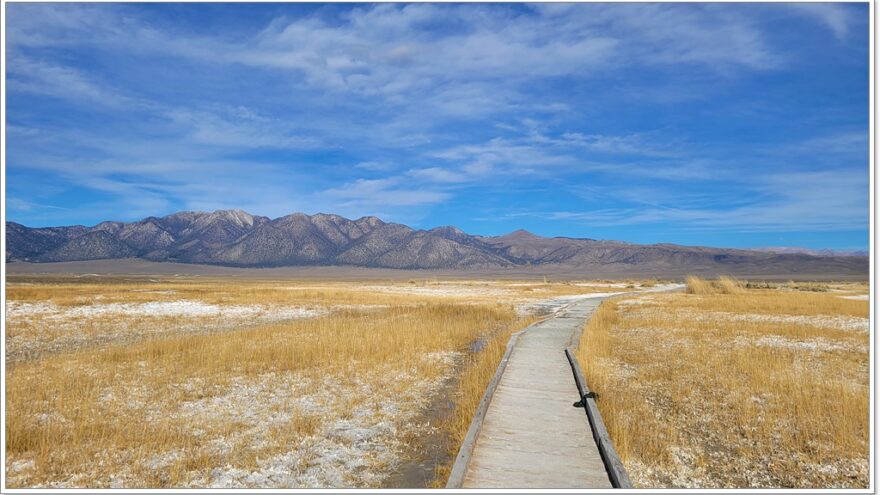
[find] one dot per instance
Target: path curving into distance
(526, 432)
(531, 436)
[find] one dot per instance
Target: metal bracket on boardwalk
(583, 401)
(613, 465)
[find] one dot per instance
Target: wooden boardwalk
(531, 435)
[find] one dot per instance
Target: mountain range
(239, 239)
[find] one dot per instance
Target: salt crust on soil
(815, 345)
(861, 297)
(358, 440)
(34, 328)
(16, 309)
(833, 322)
(836, 322)
(359, 450)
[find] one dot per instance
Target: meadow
(199, 382)
(735, 384)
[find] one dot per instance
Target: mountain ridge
(236, 238)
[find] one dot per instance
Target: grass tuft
(729, 285)
(696, 285)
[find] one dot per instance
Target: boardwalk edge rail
(459, 468)
(613, 465)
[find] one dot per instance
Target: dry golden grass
(751, 388)
(729, 285)
(724, 285)
(66, 411)
(69, 313)
(105, 399)
(696, 285)
(71, 291)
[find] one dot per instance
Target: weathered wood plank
(459, 468)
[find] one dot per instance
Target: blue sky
(716, 124)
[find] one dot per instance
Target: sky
(740, 125)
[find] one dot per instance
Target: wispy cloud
(835, 17)
(30, 76)
(682, 116)
(823, 201)
(24, 205)
(238, 127)
(388, 192)
(376, 166)
(390, 50)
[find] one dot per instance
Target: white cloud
(390, 50)
(377, 193)
(376, 166)
(838, 142)
(715, 36)
(503, 151)
(31, 76)
(239, 128)
(835, 17)
(47, 24)
(801, 201)
(537, 153)
(19, 204)
(437, 174)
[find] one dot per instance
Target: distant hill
(238, 239)
(812, 252)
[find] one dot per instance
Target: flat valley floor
(134, 267)
(201, 380)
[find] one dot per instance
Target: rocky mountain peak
(237, 238)
(240, 218)
(521, 234)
